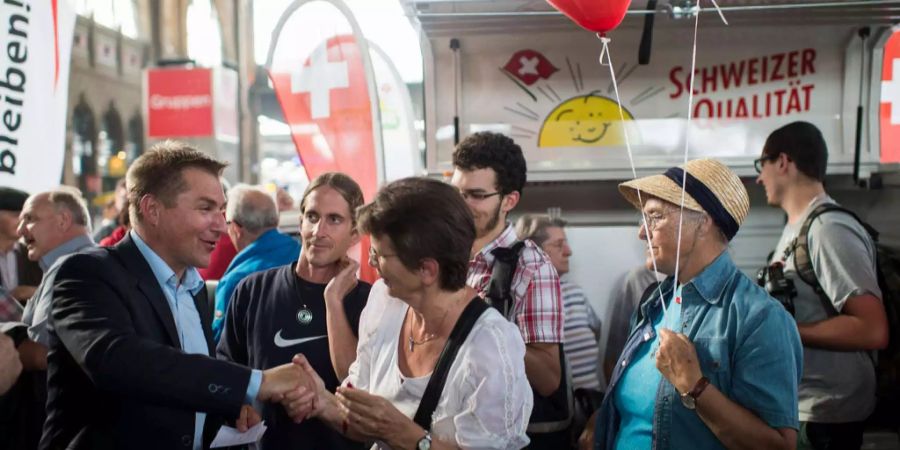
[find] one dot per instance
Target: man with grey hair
(252, 220)
(53, 225)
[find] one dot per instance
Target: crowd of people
(473, 336)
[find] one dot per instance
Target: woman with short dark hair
(422, 233)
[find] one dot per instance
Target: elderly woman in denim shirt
(712, 362)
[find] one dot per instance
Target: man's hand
(277, 381)
(586, 440)
(343, 282)
(23, 293)
(302, 403)
(10, 366)
(248, 419)
(677, 360)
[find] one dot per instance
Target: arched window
(111, 158)
(84, 142)
(204, 34)
(134, 146)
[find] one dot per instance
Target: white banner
(550, 93)
(402, 157)
(35, 51)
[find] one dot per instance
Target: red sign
(529, 66)
(179, 103)
(326, 102)
(890, 101)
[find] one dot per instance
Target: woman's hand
(677, 360)
(374, 417)
(302, 403)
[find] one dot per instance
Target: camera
(772, 279)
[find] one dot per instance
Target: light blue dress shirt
(180, 297)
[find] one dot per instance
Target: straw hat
(723, 183)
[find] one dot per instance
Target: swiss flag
(327, 104)
(529, 66)
(890, 101)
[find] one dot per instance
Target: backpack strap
(499, 290)
(435, 386)
(554, 412)
(802, 258)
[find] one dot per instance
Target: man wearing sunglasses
(847, 320)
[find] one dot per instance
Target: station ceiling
(444, 17)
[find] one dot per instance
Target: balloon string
(605, 52)
(719, 10)
(687, 139)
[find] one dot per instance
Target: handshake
(296, 385)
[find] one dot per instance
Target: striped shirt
(535, 287)
(580, 346)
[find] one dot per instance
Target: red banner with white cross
(890, 101)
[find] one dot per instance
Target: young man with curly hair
(489, 172)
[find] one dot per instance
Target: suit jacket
(117, 378)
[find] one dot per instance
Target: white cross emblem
(529, 66)
(890, 93)
(318, 79)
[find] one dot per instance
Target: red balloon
(598, 16)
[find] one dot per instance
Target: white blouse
(486, 401)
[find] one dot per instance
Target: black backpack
(552, 413)
(887, 361)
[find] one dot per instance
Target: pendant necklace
(428, 337)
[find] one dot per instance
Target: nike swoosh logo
(282, 342)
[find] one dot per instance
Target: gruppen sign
(179, 103)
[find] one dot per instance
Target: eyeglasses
(373, 255)
(758, 162)
(477, 195)
(558, 245)
(653, 219)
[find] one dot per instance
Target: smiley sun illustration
(586, 120)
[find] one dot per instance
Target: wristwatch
(689, 399)
(425, 442)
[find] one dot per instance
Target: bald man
(252, 220)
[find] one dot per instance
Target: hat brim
(659, 186)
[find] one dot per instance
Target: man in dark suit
(18, 275)
(130, 338)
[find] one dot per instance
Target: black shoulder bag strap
(458, 335)
(499, 293)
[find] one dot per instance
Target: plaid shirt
(10, 309)
(535, 286)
